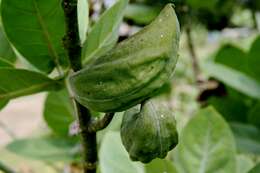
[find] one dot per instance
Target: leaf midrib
(52, 51)
(25, 91)
(204, 158)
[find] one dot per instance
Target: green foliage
(241, 67)
(3, 103)
(149, 132)
(256, 169)
(17, 82)
(133, 70)
(160, 166)
(114, 158)
(254, 115)
(197, 4)
(141, 14)
(45, 148)
(36, 29)
(58, 112)
(235, 79)
(254, 60)
(239, 70)
(206, 145)
(244, 164)
(214, 14)
(6, 51)
(83, 19)
(5, 63)
(230, 108)
(237, 61)
(118, 77)
(247, 138)
(103, 35)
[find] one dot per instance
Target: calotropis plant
(129, 74)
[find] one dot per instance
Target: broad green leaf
(247, 138)
(160, 166)
(244, 164)
(58, 112)
(233, 57)
(45, 148)
(141, 14)
(114, 158)
(254, 115)
(18, 82)
(197, 4)
(5, 63)
(103, 35)
(254, 59)
(36, 29)
(6, 51)
(235, 79)
(206, 145)
(256, 169)
(231, 109)
(3, 103)
(83, 19)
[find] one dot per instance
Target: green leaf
(5, 63)
(45, 148)
(114, 158)
(3, 103)
(233, 57)
(36, 29)
(197, 4)
(235, 79)
(206, 145)
(254, 60)
(6, 51)
(83, 19)
(244, 164)
(141, 14)
(58, 112)
(254, 115)
(256, 169)
(160, 166)
(247, 138)
(231, 109)
(103, 36)
(18, 82)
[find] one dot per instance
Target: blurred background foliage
(215, 94)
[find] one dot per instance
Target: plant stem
(102, 123)
(72, 45)
(254, 18)
(193, 55)
(5, 168)
(88, 140)
(71, 39)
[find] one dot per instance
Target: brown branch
(102, 123)
(254, 18)
(88, 140)
(195, 64)
(71, 40)
(72, 45)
